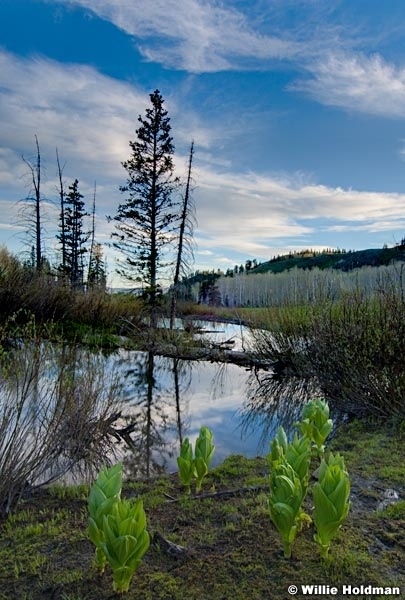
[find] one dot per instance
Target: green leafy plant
(204, 452)
(297, 453)
(186, 465)
(285, 501)
(289, 462)
(315, 423)
(125, 541)
(104, 494)
(331, 500)
(196, 467)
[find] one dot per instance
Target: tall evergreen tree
(74, 237)
(145, 220)
(97, 277)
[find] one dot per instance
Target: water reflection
(273, 401)
(163, 400)
(169, 399)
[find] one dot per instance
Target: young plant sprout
(116, 527)
(125, 541)
(105, 492)
(285, 501)
(331, 500)
(204, 452)
(315, 423)
(297, 453)
(186, 466)
(196, 467)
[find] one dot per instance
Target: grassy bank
(232, 549)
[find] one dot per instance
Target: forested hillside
(300, 277)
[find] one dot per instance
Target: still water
(168, 399)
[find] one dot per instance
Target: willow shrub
(57, 404)
(353, 348)
(357, 353)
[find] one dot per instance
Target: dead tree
(185, 235)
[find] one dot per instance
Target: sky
(296, 109)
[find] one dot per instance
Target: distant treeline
(305, 276)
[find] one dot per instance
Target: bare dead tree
(185, 235)
(92, 232)
(35, 197)
(62, 194)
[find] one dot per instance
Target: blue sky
(296, 108)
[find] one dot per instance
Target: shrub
(55, 416)
(352, 349)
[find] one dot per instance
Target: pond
(63, 408)
(168, 399)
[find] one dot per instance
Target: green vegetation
(104, 493)
(289, 476)
(315, 424)
(226, 536)
(285, 501)
(196, 467)
(331, 499)
(185, 462)
(125, 541)
(352, 348)
(345, 261)
(117, 528)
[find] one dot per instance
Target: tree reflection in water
(167, 399)
(273, 401)
(154, 407)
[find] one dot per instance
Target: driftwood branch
(222, 493)
(170, 548)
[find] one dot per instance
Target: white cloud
(83, 113)
(87, 116)
(91, 117)
(356, 82)
(190, 34)
(249, 214)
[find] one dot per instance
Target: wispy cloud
(250, 214)
(206, 36)
(192, 35)
(91, 117)
(357, 82)
(74, 107)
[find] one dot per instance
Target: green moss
(395, 510)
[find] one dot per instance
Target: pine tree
(97, 270)
(145, 220)
(74, 237)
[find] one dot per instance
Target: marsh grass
(352, 349)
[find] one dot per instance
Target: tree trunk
(184, 215)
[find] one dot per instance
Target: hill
(345, 261)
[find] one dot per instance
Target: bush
(55, 416)
(352, 349)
